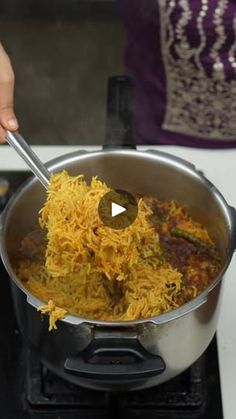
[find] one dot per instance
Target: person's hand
(7, 116)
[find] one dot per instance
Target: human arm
(7, 117)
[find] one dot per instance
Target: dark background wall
(63, 52)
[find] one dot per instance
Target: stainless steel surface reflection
(177, 338)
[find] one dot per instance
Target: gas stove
(29, 390)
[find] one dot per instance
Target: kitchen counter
(220, 167)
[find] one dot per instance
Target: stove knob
(4, 192)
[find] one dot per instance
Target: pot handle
(117, 358)
(119, 113)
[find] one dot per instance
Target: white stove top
(220, 167)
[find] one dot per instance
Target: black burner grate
(193, 394)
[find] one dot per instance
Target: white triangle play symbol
(116, 209)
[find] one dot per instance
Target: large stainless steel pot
(135, 354)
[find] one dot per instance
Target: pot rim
(159, 319)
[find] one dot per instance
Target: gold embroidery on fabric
(197, 104)
(169, 26)
(218, 66)
(202, 34)
(183, 48)
(233, 48)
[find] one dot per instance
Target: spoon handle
(16, 141)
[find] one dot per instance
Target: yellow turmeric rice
(78, 265)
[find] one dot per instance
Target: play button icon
(117, 209)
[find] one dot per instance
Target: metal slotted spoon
(16, 141)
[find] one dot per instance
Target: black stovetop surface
(28, 390)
